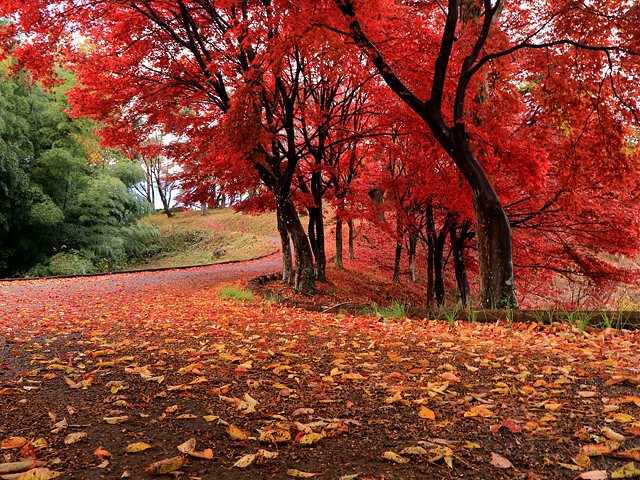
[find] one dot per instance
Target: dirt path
(18, 299)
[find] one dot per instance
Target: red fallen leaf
(101, 453)
(511, 426)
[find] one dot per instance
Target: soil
(164, 351)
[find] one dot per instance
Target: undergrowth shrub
(72, 262)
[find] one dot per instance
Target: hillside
(190, 238)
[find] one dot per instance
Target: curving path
(51, 295)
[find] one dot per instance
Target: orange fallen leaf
(13, 442)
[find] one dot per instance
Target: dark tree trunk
(321, 255)
(430, 281)
(316, 238)
(431, 229)
(377, 196)
(413, 244)
(438, 270)
(339, 244)
(163, 198)
(352, 253)
(287, 260)
(459, 264)
(396, 268)
(493, 231)
(303, 278)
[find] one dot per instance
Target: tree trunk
(163, 198)
(339, 244)
(493, 231)
(352, 253)
(396, 268)
(303, 278)
(431, 233)
(430, 281)
(438, 270)
(321, 255)
(316, 238)
(287, 261)
(413, 243)
(459, 265)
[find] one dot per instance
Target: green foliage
(65, 263)
(396, 311)
(128, 172)
(235, 293)
(60, 192)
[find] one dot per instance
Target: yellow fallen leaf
(115, 420)
(236, 433)
(211, 418)
(627, 471)
(278, 435)
(552, 407)
(311, 438)
(417, 450)
(426, 413)
(394, 457)
(478, 412)
(137, 447)
(620, 418)
(165, 466)
(293, 472)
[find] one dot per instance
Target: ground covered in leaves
(133, 376)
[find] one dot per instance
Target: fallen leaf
(165, 466)
(75, 437)
(188, 446)
(593, 475)
(478, 412)
(427, 413)
(499, 461)
(627, 471)
(394, 457)
(137, 447)
(101, 452)
(13, 442)
(245, 461)
(236, 433)
(311, 438)
(40, 474)
(293, 472)
(302, 411)
(417, 450)
(631, 454)
(116, 420)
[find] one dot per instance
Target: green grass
(236, 293)
(190, 238)
(396, 311)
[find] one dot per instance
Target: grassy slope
(189, 238)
